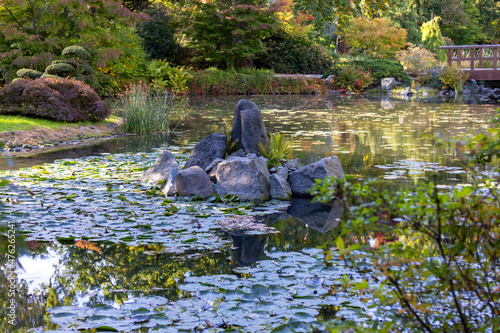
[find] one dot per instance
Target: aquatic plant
(145, 110)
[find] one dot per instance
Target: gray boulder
(165, 168)
(193, 181)
(248, 127)
(302, 179)
(246, 178)
(207, 150)
(279, 188)
(293, 165)
(388, 83)
(282, 172)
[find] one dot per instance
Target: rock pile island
(244, 173)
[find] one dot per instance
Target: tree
(375, 37)
(32, 32)
(340, 11)
(230, 31)
(432, 38)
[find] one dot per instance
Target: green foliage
(60, 69)
(146, 111)
(224, 31)
(29, 73)
(438, 254)
(163, 76)
(353, 78)
(219, 82)
(340, 11)
(377, 68)
(54, 99)
(158, 34)
(290, 54)
(417, 59)
(76, 52)
(375, 37)
(453, 77)
(33, 32)
(278, 149)
(432, 38)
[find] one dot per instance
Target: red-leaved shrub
(54, 99)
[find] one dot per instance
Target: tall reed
(146, 110)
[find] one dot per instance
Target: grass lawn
(19, 123)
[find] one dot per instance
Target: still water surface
(107, 282)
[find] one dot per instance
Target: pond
(106, 252)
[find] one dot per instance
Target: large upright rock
(246, 178)
(302, 179)
(193, 181)
(165, 168)
(207, 150)
(279, 188)
(248, 127)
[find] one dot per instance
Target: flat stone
(303, 179)
(193, 181)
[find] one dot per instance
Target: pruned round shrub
(29, 73)
(64, 61)
(86, 69)
(54, 99)
(76, 51)
(61, 69)
(50, 76)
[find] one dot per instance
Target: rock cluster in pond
(244, 173)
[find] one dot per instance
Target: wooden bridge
(481, 61)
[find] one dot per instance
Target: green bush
(278, 149)
(54, 99)
(29, 73)
(76, 52)
(453, 77)
(290, 54)
(353, 79)
(60, 69)
(218, 82)
(378, 68)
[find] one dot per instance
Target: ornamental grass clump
(145, 110)
(278, 149)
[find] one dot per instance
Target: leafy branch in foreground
(437, 265)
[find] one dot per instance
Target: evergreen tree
(432, 38)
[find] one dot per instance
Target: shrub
(76, 52)
(353, 79)
(219, 82)
(54, 99)
(375, 37)
(453, 77)
(146, 111)
(163, 76)
(60, 69)
(417, 59)
(29, 73)
(291, 54)
(378, 68)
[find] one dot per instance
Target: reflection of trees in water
(29, 308)
(144, 269)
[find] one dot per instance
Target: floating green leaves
(102, 200)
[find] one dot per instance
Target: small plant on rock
(453, 77)
(278, 149)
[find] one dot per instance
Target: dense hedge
(289, 54)
(218, 82)
(378, 69)
(54, 99)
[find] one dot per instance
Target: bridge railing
(482, 61)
